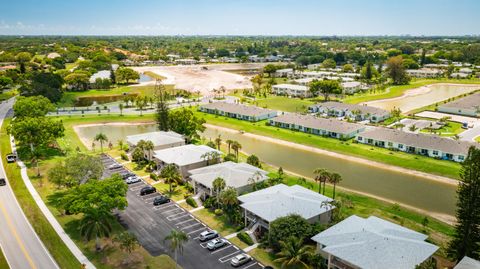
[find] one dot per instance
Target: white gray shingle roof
(236, 175)
(467, 263)
(158, 138)
(281, 200)
(468, 102)
(352, 107)
(252, 111)
(183, 155)
(331, 125)
(373, 243)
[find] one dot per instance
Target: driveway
(151, 224)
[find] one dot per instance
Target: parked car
(160, 200)
(127, 175)
(11, 158)
(147, 190)
(3, 182)
(240, 259)
(114, 166)
(465, 125)
(132, 179)
(207, 235)
(216, 243)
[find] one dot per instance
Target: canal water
(412, 190)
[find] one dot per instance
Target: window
(390, 144)
(360, 138)
(461, 157)
(400, 146)
(435, 152)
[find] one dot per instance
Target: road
(20, 244)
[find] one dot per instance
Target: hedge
(191, 202)
(243, 236)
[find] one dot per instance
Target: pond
(411, 190)
(424, 96)
(144, 78)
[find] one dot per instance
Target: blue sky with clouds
(240, 17)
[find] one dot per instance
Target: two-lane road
(20, 244)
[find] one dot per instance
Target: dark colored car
(127, 175)
(11, 158)
(160, 200)
(147, 190)
(3, 182)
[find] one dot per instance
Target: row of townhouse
(302, 89)
(351, 111)
(425, 73)
(466, 106)
(238, 111)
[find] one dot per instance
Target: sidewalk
(53, 221)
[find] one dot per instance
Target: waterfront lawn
(3, 261)
(381, 155)
(283, 103)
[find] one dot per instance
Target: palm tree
(218, 142)
(101, 137)
(229, 144)
(321, 175)
(121, 143)
(211, 156)
(127, 241)
(236, 147)
(228, 198)
(334, 178)
(254, 179)
(413, 128)
(140, 105)
(120, 106)
(218, 185)
(96, 223)
(149, 146)
(171, 175)
(177, 239)
(293, 253)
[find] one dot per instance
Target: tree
(101, 137)
(368, 72)
(96, 223)
(120, 106)
(171, 175)
(218, 142)
(140, 103)
(125, 74)
(5, 82)
(270, 69)
(149, 147)
(176, 239)
(127, 241)
(321, 176)
(334, 179)
(229, 144)
(236, 148)
(211, 144)
(77, 81)
(329, 63)
(138, 155)
(254, 179)
(34, 106)
(466, 240)
(23, 57)
(347, 68)
(294, 253)
(325, 87)
(396, 70)
(254, 160)
(218, 185)
(184, 121)
(43, 83)
(75, 170)
(229, 201)
(284, 227)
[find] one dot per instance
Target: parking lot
(151, 224)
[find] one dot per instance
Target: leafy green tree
(329, 63)
(102, 138)
(270, 69)
(125, 74)
(34, 106)
(77, 81)
(396, 70)
(466, 241)
(43, 83)
(162, 110)
(138, 155)
(294, 253)
(23, 57)
(284, 227)
(5, 82)
(218, 185)
(325, 87)
(176, 239)
(171, 175)
(347, 68)
(184, 121)
(120, 106)
(229, 201)
(254, 160)
(76, 169)
(96, 224)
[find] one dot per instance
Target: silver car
(132, 180)
(217, 243)
(207, 235)
(240, 259)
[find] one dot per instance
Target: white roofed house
(291, 90)
(238, 111)
(372, 243)
(160, 140)
(351, 87)
(266, 205)
(284, 73)
(352, 111)
(467, 106)
(185, 158)
(239, 176)
(425, 73)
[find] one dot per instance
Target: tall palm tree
(120, 106)
(254, 179)
(171, 175)
(218, 142)
(96, 223)
(218, 185)
(320, 177)
(236, 148)
(102, 138)
(229, 144)
(334, 178)
(293, 253)
(177, 239)
(149, 146)
(228, 199)
(121, 143)
(127, 241)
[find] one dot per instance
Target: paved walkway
(53, 221)
(196, 209)
(254, 246)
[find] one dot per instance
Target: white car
(207, 235)
(132, 180)
(216, 243)
(240, 259)
(114, 166)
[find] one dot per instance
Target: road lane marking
(179, 217)
(15, 234)
(185, 221)
(190, 226)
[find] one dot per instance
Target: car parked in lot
(207, 235)
(3, 182)
(216, 243)
(240, 259)
(11, 158)
(114, 166)
(160, 200)
(147, 190)
(126, 175)
(132, 179)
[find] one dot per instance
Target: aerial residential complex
(423, 144)
(355, 112)
(292, 90)
(238, 111)
(319, 126)
(466, 106)
(160, 140)
(372, 243)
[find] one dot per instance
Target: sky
(240, 17)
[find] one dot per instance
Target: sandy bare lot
(203, 78)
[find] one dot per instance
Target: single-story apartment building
(239, 176)
(185, 158)
(352, 111)
(466, 106)
(315, 125)
(284, 73)
(423, 144)
(351, 87)
(467, 263)
(238, 111)
(425, 73)
(459, 75)
(372, 243)
(160, 140)
(264, 206)
(291, 90)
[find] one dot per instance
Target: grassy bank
(3, 261)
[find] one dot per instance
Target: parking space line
(166, 211)
(223, 248)
(248, 266)
(224, 259)
(136, 188)
(193, 225)
(176, 214)
(150, 198)
(185, 221)
(204, 245)
(201, 229)
(179, 217)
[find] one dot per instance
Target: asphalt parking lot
(151, 224)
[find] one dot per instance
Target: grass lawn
(283, 103)
(452, 129)
(217, 223)
(401, 159)
(264, 257)
(7, 95)
(395, 91)
(477, 139)
(3, 261)
(153, 75)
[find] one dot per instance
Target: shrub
(218, 212)
(245, 238)
(189, 187)
(124, 156)
(209, 202)
(154, 176)
(190, 201)
(230, 157)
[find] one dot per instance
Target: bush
(190, 201)
(245, 238)
(209, 202)
(124, 156)
(218, 212)
(189, 187)
(154, 176)
(230, 157)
